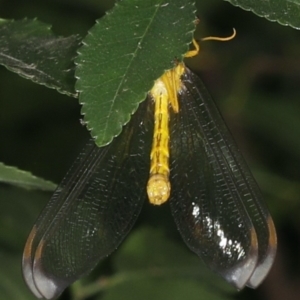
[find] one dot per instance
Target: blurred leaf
(151, 251)
(30, 49)
(275, 120)
(12, 286)
(19, 209)
(285, 12)
(151, 265)
(280, 190)
(162, 289)
(14, 176)
(150, 248)
(122, 56)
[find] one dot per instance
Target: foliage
(284, 12)
(119, 61)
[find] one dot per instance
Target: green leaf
(30, 49)
(151, 265)
(278, 187)
(13, 175)
(149, 248)
(162, 289)
(269, 119)
(18, 210)
(285, 12)
(122, 56)
(150, 253)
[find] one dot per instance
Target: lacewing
(213, 196)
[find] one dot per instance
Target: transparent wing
(91, 211)
(215, 201)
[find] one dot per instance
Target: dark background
(253, 78)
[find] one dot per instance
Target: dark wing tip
(28, 277)
(265, 265)
(41, 285)
(239, 275)
(27, 264)
(46, 286)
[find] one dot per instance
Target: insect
(179, 135)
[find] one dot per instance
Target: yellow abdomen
(164, 93)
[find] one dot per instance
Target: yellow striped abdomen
(164, 93)
(158, 187)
